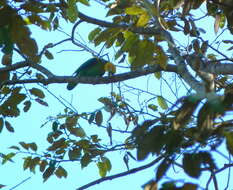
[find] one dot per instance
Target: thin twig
(20, 183)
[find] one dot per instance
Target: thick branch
(218, 69)
(134, 170)
(139, 30)
(23, 64)
(96, 80)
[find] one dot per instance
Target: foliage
(184, 131)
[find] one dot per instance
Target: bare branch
(139, 30)
(23, 64)
(94, 80)
(134, 170)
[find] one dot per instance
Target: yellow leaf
(27, 21)
(110, 68)
(134, 10)
(162, 103)
(143, 19)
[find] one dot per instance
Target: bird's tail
(71, 85)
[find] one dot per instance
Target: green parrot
(93, 67)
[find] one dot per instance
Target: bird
(94, 67)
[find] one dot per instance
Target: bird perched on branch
(94, 67)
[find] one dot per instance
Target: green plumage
(93, 67)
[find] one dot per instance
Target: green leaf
(37, 92)
(43, 164)
(162, 103)
(55, 126)
(78, 132)
(85, 2)
(135, 10)
(61, 172)
(107, 163)
(8, 157)
(24, 145)
(91, 118)
(229, 142)
(102, 169)
(48, 172)
(106, 36)
(33, 146)
(92, 35)
(14, 147)
(27, 105)
(26, 162)
(99, 118)
(143, 20)
(48, 55)
(9, 127)
(72, 11)
(153, 107)
(192, 165)
(74, 153)
(157, 75)
(85, 160)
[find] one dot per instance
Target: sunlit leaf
(143, 20)
(107, 163)
(43, 164)
(8, 157)
(93, 34)
(85, 2)
(229, 142)
(135, 10)
(162, 102)
(153, 107)
(109, 67)
(72, 11)
(102, 169)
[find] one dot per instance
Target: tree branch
(27, 64)
(134, 170)
(139, 30)
(95, 80)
